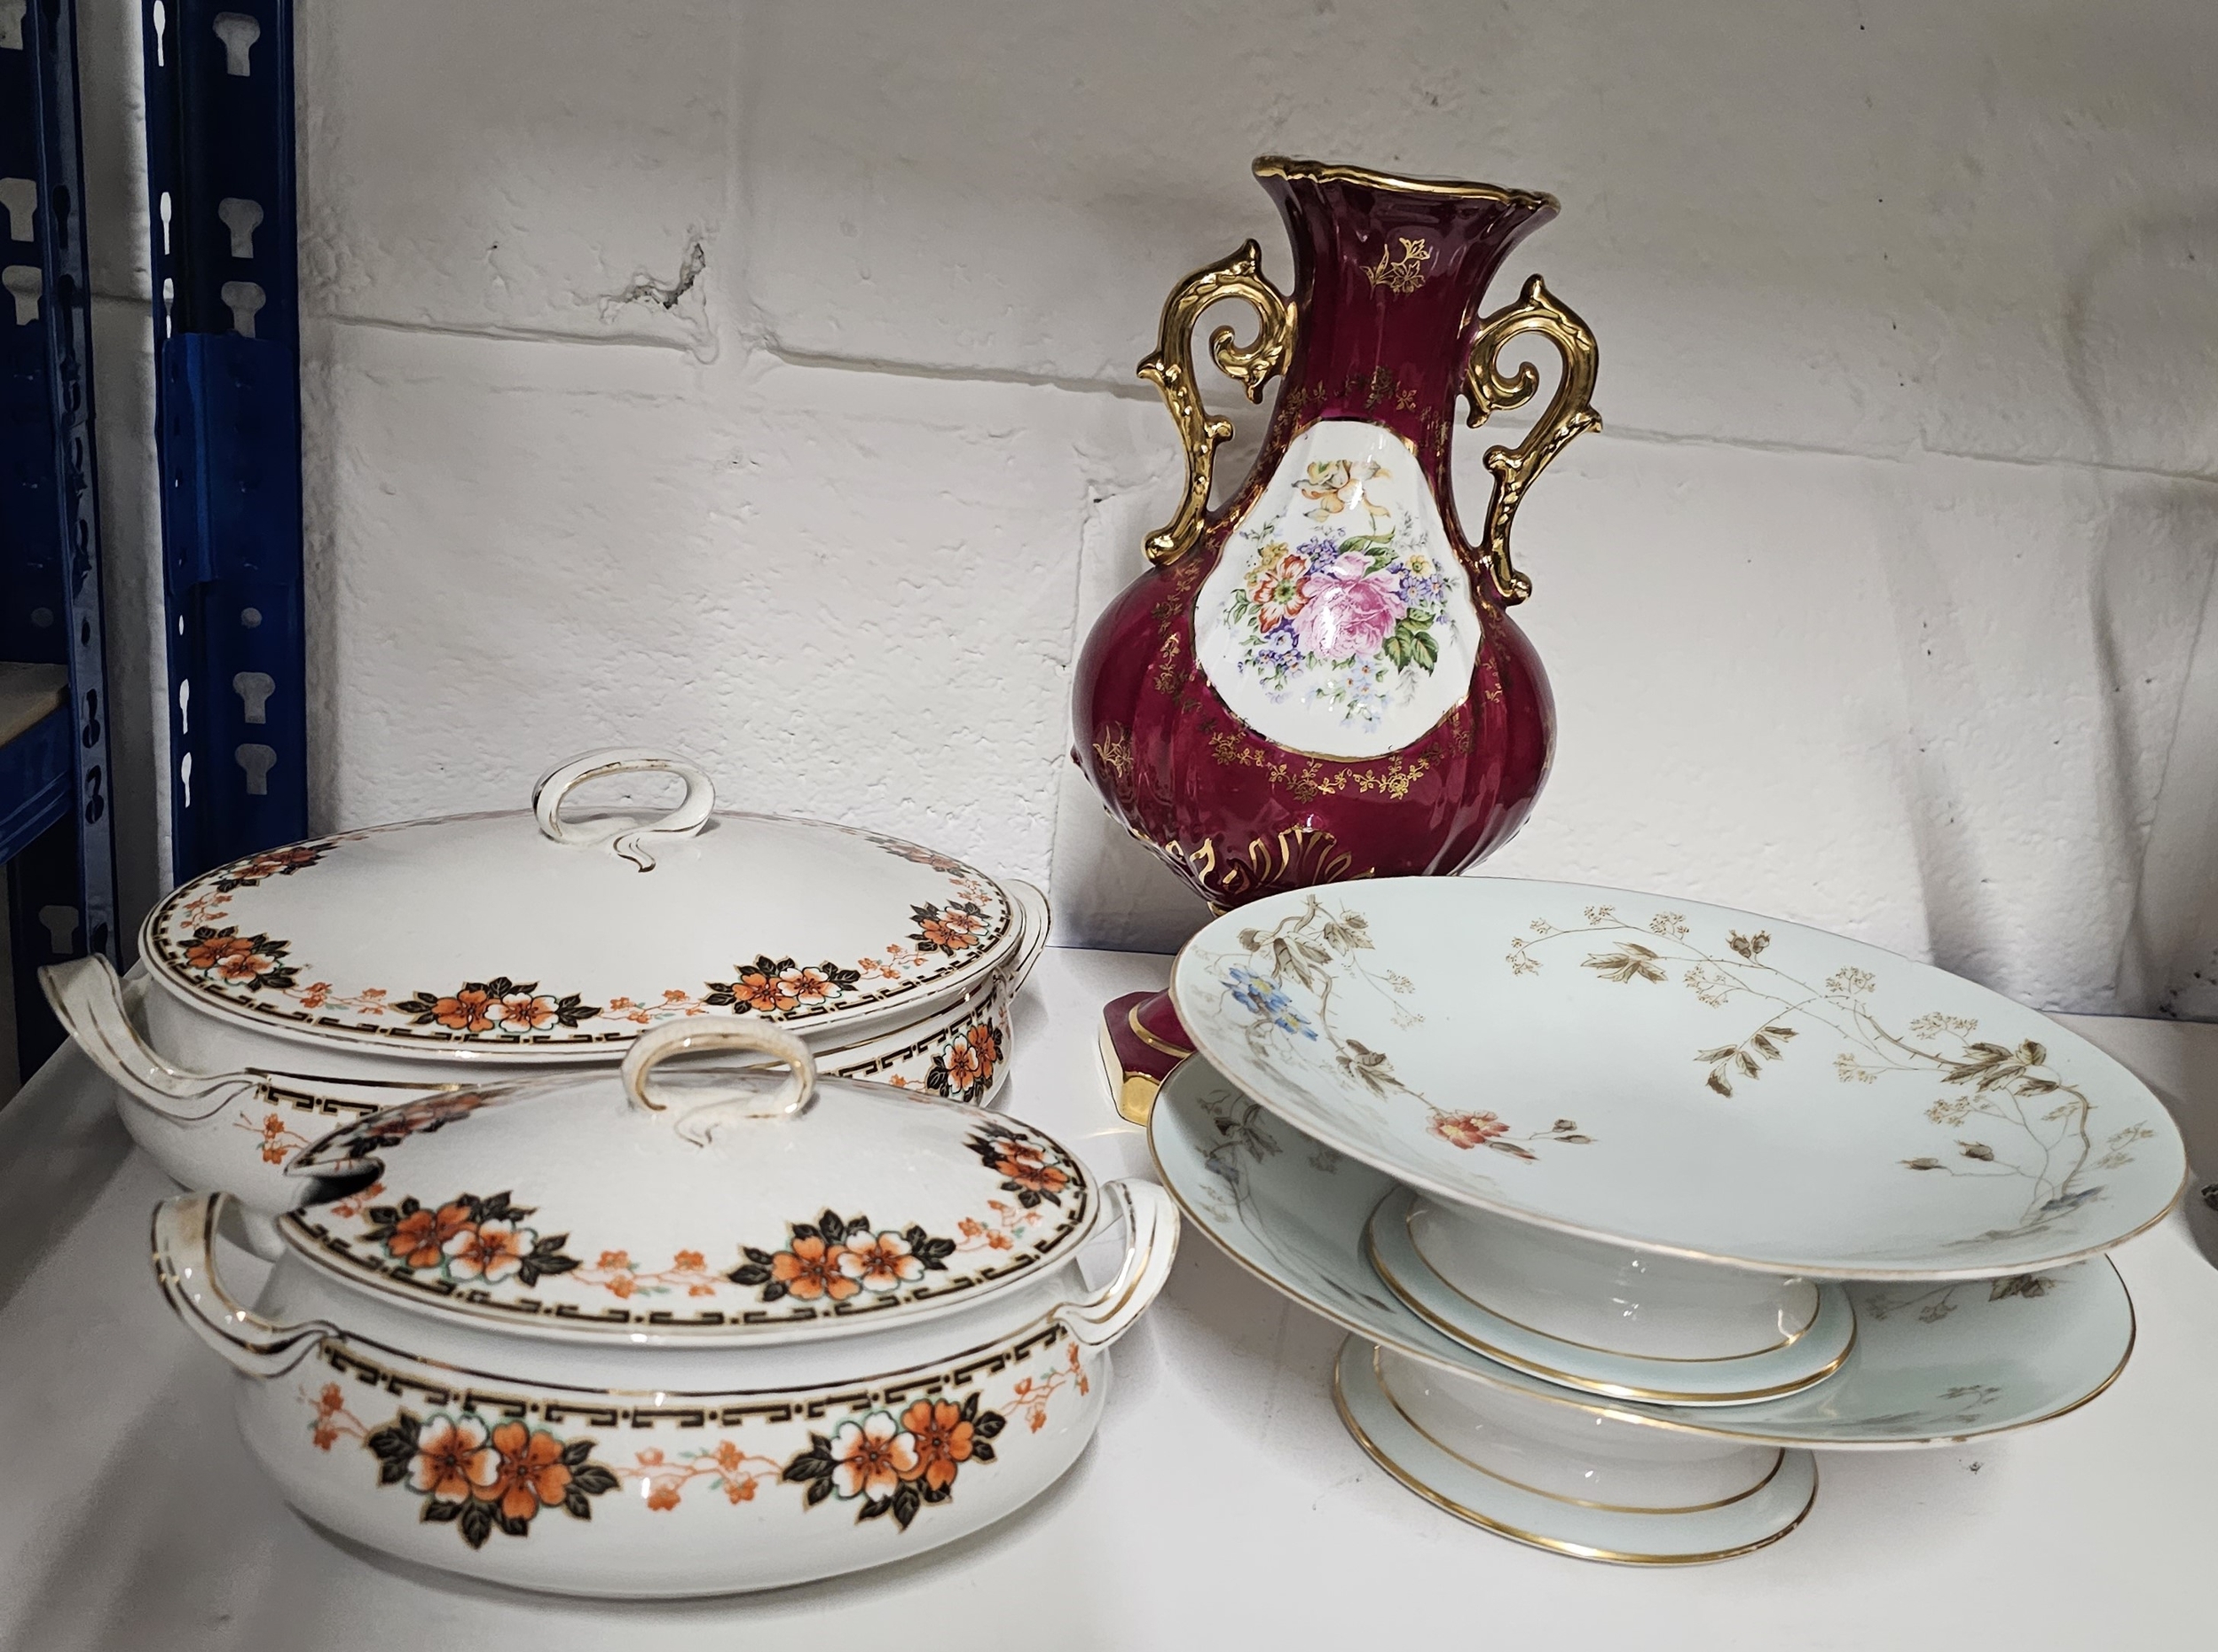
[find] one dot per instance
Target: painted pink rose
(1348, 611)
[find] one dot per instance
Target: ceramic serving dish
(683, 1334)
(1933, 1361)
(287, 993)
(1689, 1080)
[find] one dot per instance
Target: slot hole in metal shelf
(61, 928)
(161, 14)
(24, 285)
(257, 760)
(242, 218)
(244, 297)
(253, 688)
(20, 196)
(238, 32)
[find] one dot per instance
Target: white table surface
(1220, 1506)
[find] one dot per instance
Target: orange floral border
(191, 941)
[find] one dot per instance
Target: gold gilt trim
(1588, 1384)
(1316, 855)
(1318, 172)
(1378, 1370)
(1577, 1551)
(1406, 273)
(1570, 415)
(1312, 780)
(640, 1408)
(1160, 1046)
(1170, 369)
(1134, 1093)
(1409, 1226)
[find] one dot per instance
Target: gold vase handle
(1570, 415)
(1171, 370)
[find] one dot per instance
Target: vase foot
(1142, 1040)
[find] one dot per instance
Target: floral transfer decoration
(1287, 988)
(828, 1265)
(964, 1070)
(279, 1140)
(269, 863)
(469, 1241)
(1350, 621)
(1036, 1173)
(511, 1009)
(480, 1477)
(196, 936)
(835, 1258)
(777, 988)
(896, 1463)
(2005, 1112)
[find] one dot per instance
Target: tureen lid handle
(651, 1049)
(687, 818)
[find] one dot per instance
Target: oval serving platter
(1686, 1078)
(1934, 1361)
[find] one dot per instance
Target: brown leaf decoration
(1978, 1150)
(1630, 961)
(1923, 1164)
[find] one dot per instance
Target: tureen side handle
(87, 999)
(1150, 1246)
(1033, 905)
(184, 1264)
(687, 818)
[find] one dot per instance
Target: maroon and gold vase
(1319, 679)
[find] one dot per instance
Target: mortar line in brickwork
(500, 335)
(1133, 392)
(1631, 433)
(1755, 444)
(1078, 386)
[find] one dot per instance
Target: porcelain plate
(1686, 1077)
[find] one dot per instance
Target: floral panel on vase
(1340, 620)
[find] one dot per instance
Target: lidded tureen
(675, 1334)
(304, 986)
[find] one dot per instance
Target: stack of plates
(1628, 1206)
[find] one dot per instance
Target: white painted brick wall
(756, 379)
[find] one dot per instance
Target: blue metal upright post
(55, 819)
(219, 163)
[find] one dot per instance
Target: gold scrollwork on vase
(1296, 857)
(1114, 750)
(1571, 413)
(1170, 368)
(1312, 778)
(1406, 273)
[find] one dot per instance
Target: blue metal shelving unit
(55, 823)
(219, 163)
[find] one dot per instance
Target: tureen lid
(523, 934)
(753, 1205)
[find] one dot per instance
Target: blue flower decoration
(1263, 997)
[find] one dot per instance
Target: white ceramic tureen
(718, 1332)
(289, 993)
